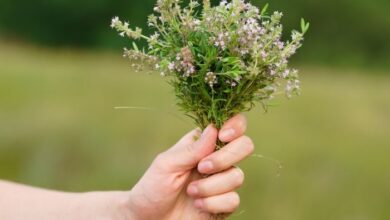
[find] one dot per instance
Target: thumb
(192, 148)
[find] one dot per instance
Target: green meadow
(324, 155)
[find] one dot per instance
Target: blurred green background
(61, 74)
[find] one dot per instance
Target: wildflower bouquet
(220, 60)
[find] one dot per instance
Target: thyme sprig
(220, 60)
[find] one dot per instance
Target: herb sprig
(220, 60)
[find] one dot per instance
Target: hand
(173, 187)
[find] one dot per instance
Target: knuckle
(202, 188)
(160, 159)
(160, 162)
(207, 205)
(218, 163)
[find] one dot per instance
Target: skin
(188, 181)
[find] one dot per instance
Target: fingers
(225, 203)
(217, 184)
(216, 194)
(233, 128)
(187, 153)
(227, 157)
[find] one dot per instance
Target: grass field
(58, 129)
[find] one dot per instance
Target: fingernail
(226, 133)
(205, 166)
(193, 190)
(206, 131)
(198, 203)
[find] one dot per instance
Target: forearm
(23, 202)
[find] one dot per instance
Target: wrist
(121, 206)
(111, 205)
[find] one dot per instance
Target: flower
(211, 79)
(197, 22)
(115, 21)
(171, 66)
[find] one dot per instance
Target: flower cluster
(185, 62)
(220, 59)
(124, 29)
(211, 78)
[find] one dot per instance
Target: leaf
(264, 10)
(307, 27)
(232, 74)
(228, 90)
(304, 26)
(135, 47)
(204, 93)
(219, 100)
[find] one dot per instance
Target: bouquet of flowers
(220, 60)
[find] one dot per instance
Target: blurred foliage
(343, 31)
(69, 22)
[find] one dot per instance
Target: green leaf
(135, 47)
(304, 26)
(228, 90)
(307, 27)
(264, 10)
(232, 74)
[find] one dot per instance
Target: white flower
(197, 22)
(280, 45)
(286, 73)
(238, 78)
(211, 79)
(154, 38)
(228, 6)
(171, 66)
(264, 54)
(114, 21)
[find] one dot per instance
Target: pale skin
(188, 181)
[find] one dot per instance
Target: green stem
(219, 145)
